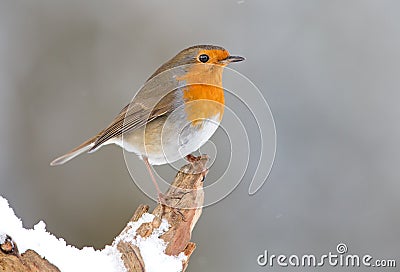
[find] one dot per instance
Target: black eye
(204, 58)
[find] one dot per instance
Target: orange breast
(204, 94)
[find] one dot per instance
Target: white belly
(168, 140)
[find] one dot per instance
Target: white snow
(153, 248)
(2, 237)
(69, 258)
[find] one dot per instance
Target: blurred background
(328, 69)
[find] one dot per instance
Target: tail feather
(84, 147)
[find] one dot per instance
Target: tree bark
(30, 261)
(182, 208)
(185, 198)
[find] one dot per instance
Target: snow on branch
(159, 241)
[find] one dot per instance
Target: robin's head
(209, 54)
(200, 54)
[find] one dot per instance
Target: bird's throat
(203, 94)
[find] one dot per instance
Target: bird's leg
(191, 158)
(161, 197)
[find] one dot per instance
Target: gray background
(329, 70)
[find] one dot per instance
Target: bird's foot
(162, 199)
(192, 159)
(197, 163)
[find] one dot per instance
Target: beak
(232, 59)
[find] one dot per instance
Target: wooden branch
(184, 198)
(182, 209)
(30, 261)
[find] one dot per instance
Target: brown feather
(134, 116)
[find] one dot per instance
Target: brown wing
(159, 95)
(137, 114)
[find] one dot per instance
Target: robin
(174, 113)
